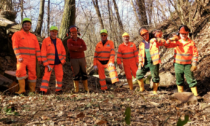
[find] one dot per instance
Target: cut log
(9, 81)
(5, 22)
(5, 79)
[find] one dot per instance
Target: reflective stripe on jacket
(48, 51)
(186, 52)
(25, 45)
(154, 52)
(127, 53)
(104, 52)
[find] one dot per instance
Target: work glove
(120, 66)
(174, 39)
(95, 67)
(49, 68)
(193, 68)
(110, 64)
(20, 60)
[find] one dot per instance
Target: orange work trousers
(30, 64)
(130, 67)
(102, 77)
(58, 75)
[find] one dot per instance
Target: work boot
(85, 83)
(194, 91)
(21, 87)
(141, 85)
(32, 86)
(130, 83)
(180, 88)
(76, 86)
(155, 88)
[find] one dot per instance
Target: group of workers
(136, 62)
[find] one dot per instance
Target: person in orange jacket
(76, 48)
(149, 58)
(129, 54)
(186, 57)
(26, 48)
(104, 57)
(53, 57)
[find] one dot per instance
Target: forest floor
(106, 108)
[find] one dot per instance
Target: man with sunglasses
(104, 57)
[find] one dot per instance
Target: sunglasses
(103, 35)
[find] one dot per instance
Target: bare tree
(40, 19)
(6, 5)
(118, 17)
(21, 4)
(149, 9)
(136, 14)
(68, 18)
(95, 3)
(142, 12)
(48, 18)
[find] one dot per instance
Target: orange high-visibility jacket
(185, 52)
(48, 51)
(154, 51)
(104, 52)
(127, 53)
(25, 45)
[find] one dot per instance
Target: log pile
(7, 56)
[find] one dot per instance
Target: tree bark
(95, 3)
(68, 18)
(6, 5)
(142, 12)
(149, 11)
(136, 14)
(118, 17)
(40, 19)
(48, 18)
(21, 10)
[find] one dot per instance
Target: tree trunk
(68, 18)
(21, 10)
(6, 5)
(95, 3)
(118, 17)
(40, 19)
(48, 18)
(136, 14)
(142, 12)
(149, 11)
